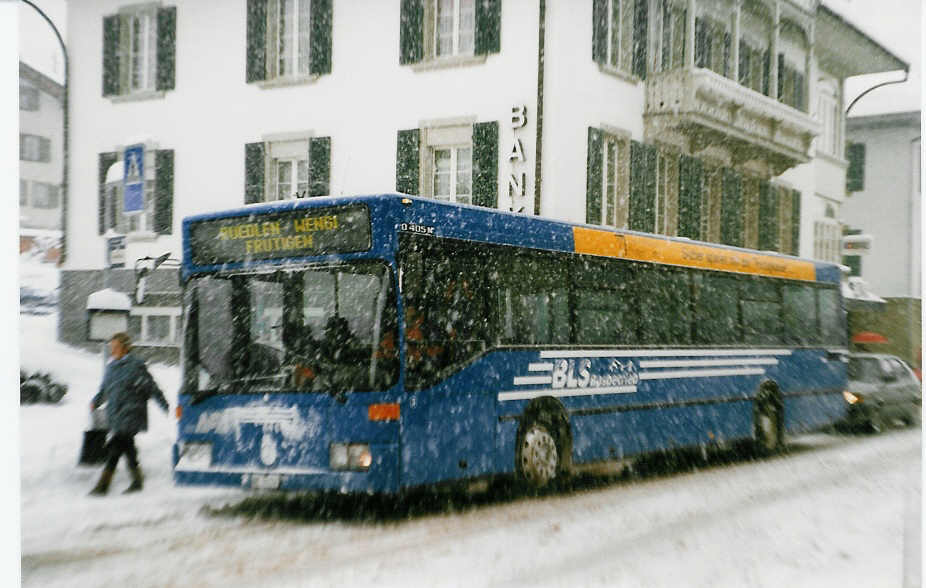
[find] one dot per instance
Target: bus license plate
(265, 481)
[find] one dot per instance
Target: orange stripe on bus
(383, 412)
(661, 250)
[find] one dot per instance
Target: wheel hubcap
(539, 457)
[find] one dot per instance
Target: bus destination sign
(292, 233)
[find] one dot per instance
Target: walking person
(126, 388)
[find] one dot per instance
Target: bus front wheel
(538, 458)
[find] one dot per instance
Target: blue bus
(379, 343)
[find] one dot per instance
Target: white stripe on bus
(564, 392)
(667, 363)
(522, 380)
(672, 375)
(570, 353)
(540, 367)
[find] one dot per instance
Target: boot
(102, 486)
(137, 480)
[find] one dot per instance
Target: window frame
(433, 33)
(614, 213)
(29, 98)
(301, 63)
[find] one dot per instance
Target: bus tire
(543, 449)
(769, 438)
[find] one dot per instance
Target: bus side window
(716, 310)
(799, 315)
(532, 299)
(832, 328)
(606, 303)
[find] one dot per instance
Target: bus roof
(474, 223)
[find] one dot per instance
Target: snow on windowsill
(434, 63)
(286, 81)
(137, 96)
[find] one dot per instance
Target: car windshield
(326, 328)
(864, 369)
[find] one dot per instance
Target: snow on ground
(838, 511)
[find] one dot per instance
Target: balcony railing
(709, 108)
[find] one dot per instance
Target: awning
(843, 47)
(869, 337)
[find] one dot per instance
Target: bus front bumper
(381, 477)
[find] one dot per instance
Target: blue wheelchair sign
(134, 179)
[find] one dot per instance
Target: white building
(41, 117)
(658, 115)
(884, 201)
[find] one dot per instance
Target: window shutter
(257, 41)
(111, 55)
(488, 31)
(855, 175)
(320, 37)
(167, 47)
(411, 32)
(600, 31)
(781, 74)
(727, 66)
(731, 208)
(702, 55)
(253, 172)
(766, 72)
(105, 160)
(643, 161)
(485, 164)
(768, 217)
(406, 169)
(689, 197)
(319, 166)
(164, 191)
(595, 177)
(795, 222)
(640, 28)
(44, 149)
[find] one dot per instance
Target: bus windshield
(326, 328)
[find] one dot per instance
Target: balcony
(708, 109)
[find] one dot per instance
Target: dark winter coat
(126, 388)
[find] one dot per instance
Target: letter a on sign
(133, 181)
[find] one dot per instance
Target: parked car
(36, 301)
(40, 387)
(882, 391)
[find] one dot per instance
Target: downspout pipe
(64, 135)
(538, 148)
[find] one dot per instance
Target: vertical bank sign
(133, 178)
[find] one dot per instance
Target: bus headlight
(195, 456)
(350, 456)
(851, 398)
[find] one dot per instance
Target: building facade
(41, 120)
(884, 203)
(718, 120)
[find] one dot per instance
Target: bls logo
(572, 374)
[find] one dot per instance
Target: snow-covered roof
(108, 299)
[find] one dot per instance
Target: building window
(619, 35)
(453, 174)
(28, 97)
(139, 46)
(670, 36)
(790, 84)
(454, 27)
(157, 214)
(23, 192)
(155, 326)
(826, 240)
(34, 148)
(433, 30)
(615, 176)
(44, 195)
(830, 117)
(753, 66)
(712, 46)
(287, 168)
(450, 161)
(288, 40)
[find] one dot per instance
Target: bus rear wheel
(538, 457)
